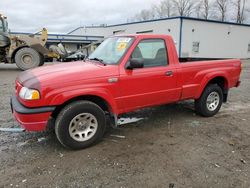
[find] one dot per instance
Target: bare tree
(222, 6)
(164, 9)
(144, 15)
(241, 10)
(206, 8)
(198, 10)
(184, 7)
(214, 9)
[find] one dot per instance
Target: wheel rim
(83, 127)
(27, 59)
(213, 101)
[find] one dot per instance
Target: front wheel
(80, 125)
(27, 58)
(210, 101)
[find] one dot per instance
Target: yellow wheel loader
(26, 51)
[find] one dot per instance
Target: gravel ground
(170, 147)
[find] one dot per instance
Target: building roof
(162, 19)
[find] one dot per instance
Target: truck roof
(144, 35)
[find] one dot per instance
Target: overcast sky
(62, 16)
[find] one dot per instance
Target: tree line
(223, 10)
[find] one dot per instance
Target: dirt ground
(170, 147)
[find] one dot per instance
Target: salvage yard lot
(171, 146)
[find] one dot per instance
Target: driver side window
(152, 51)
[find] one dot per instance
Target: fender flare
(68, 95)
(208, 78)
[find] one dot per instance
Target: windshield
(111, 50)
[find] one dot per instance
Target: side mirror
(135, 63)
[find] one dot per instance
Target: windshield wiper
(99, 60)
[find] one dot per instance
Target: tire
(210, 101)
(42, 60)
(27, 58)
(89, 130)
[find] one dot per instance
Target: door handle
(169, 73)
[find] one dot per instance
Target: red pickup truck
(123, 74)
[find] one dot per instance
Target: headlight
(29, 94)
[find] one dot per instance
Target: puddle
(123, 121)
(13, 130)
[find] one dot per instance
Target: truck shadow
(154, 117)
(185, 108)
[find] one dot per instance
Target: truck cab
(4, 38)
(4, 32)
(3, 24)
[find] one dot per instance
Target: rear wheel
(210, 101)
(27, 58)
(80, 125)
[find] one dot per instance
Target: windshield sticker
(121, 46)
(126, 40)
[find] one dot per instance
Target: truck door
(153, 84)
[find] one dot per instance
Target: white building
(194, 38)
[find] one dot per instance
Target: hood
(65, 72)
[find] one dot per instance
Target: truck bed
(192, 73)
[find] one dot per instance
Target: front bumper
(31, 119)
